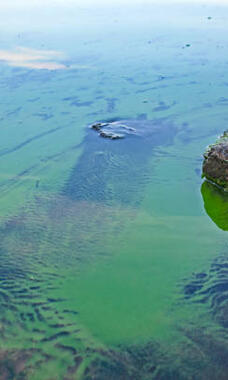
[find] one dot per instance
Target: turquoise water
(113, 253)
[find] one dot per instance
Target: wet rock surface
(156, 130)
(215, 165)
(114, 130)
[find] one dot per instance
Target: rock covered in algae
(215, 165)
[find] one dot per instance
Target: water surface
(113, 252)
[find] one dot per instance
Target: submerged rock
(215, 165)
(116, 172)
(156, 131)
(113, 130)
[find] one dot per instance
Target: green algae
(86, 303)
(131, 292)
(93, 288)
(216, 204)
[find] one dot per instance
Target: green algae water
(113, 253)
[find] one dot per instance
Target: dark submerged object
(114, 130)
(116, 171)
(215, 165)
(107, 132)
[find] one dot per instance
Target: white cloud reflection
(32, 59)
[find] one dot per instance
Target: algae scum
(113, 253)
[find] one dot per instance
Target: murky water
(113, 252)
